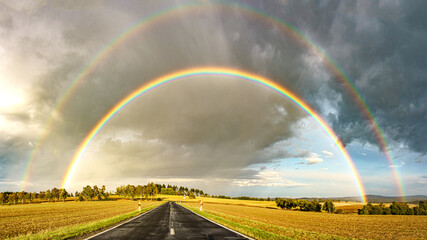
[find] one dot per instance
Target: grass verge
(259, 230)
(83, 229)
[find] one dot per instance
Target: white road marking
(171, 230)
(241, 234)
(90, 237)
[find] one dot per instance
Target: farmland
(33, 218)
(259, 219)
(268, 223)
(265, 204)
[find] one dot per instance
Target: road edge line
(123, 222)
(241, 234)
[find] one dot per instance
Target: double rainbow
(286, 28)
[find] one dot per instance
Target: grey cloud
(203, 127)
(13, 152)
(388, 69)
(18, 115)
(221, 126)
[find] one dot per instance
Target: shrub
(363, 211)
(376, 210)
(329, 207)
(386, 211)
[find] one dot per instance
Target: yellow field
(32, 218)
(347, 225)
(264, 215)
(269, 204)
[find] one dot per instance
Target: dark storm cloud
(381, 46)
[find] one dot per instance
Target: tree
(400, 208)
(167, 191)
(328, 206)
(55, 194)
(63, 195)
(33, 196)
(363, 211)
(28, 197)
(386, 211)
(21, 197)
(119, 191)
(422, 208)
(145, 191)
(131, 191)
(376, 210)
(42, 196)
(2, 197)
(103, 192)
(149, 189)
(13, 197)
(96, 192)
(49, 195)
(286, 203)
(139, 191)
(87, 192)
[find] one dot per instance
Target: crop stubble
(33, 218)
(347, 225)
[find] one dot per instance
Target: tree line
(396, 208)
(304, 205)
(90, 193)
(152, 189)
(22, 197)
(242, 198)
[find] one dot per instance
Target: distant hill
(379, 198)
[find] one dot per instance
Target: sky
(221, 134)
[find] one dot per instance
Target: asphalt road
(169, 221)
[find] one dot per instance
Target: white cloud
(268, 178)
(328, 154)
(313, 159)
(397, 165)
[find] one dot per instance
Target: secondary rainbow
(205, 71)
(163, 15)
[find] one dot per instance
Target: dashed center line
(171, 230)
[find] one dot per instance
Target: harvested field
(33, 218)
(347, 225)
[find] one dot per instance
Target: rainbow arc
(211, 71)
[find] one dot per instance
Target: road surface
(168, 221)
